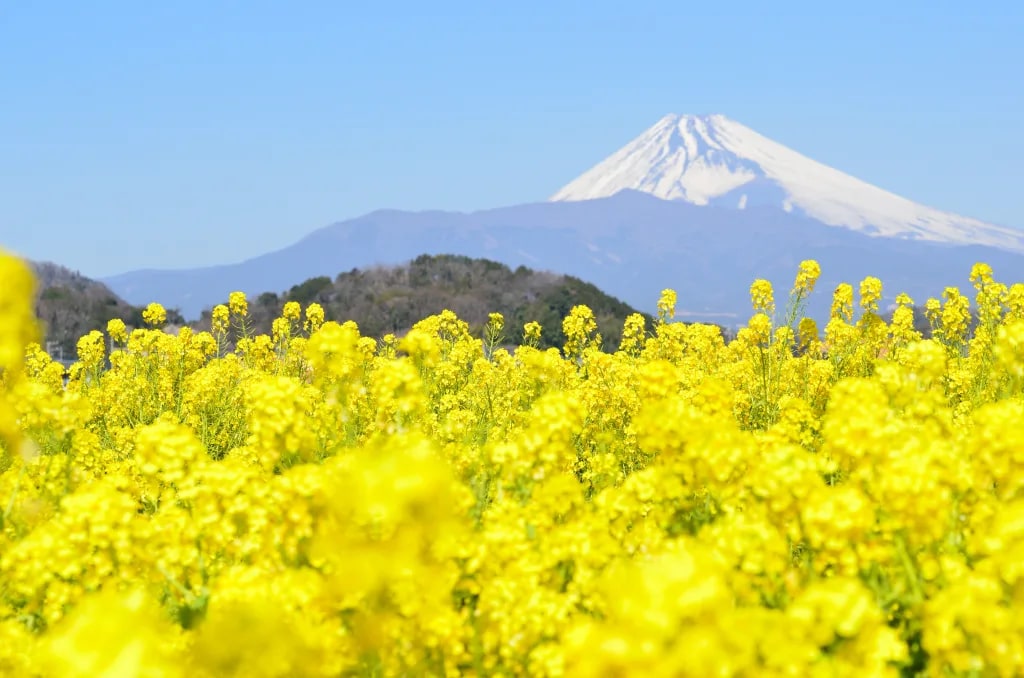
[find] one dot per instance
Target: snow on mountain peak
(712, 160)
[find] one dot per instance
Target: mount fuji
(712, 160)
(702, 205)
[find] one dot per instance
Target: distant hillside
(70, 305)
(391, 299)
(631, 245)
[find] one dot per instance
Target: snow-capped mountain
(631, 244)
(712, 160)
(702, 205)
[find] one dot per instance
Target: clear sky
(187, 133)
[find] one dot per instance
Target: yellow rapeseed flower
(154, 315)
(117, 331)
(762, 296)
(806, 277)
(238, 304)
(322, 503)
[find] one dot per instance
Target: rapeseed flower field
(842, 501)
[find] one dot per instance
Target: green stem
(909, 568)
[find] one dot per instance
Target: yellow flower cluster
(320, 503)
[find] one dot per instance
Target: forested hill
(70, 305)
(379, 299)
(391, 299)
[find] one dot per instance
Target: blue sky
(189, 133)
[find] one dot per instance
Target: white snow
(700, 158)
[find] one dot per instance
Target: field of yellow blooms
(846, 501)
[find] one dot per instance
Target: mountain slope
(712, 160)
(631, 245)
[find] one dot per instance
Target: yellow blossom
(154, 315)
(762, 297)
(323, 503)
(238, 304)
(806, 277)
(117, 331)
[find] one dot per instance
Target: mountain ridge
(700, 204)
(630, 245)
(712, 159)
